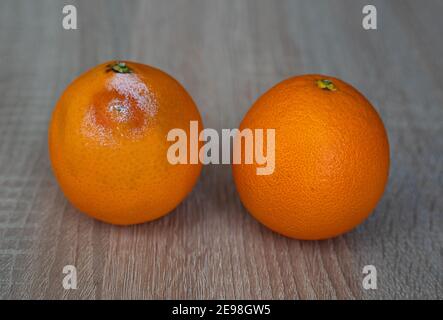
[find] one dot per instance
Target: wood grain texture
(226, 53)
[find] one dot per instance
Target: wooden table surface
(226, 53)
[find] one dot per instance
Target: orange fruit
(108, 146)
(331, 158)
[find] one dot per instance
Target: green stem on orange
(120, 67)
(326, 85)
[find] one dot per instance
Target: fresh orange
(108, 146)
(331, 158)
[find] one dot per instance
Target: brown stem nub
(120, 67)
(326, 85)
